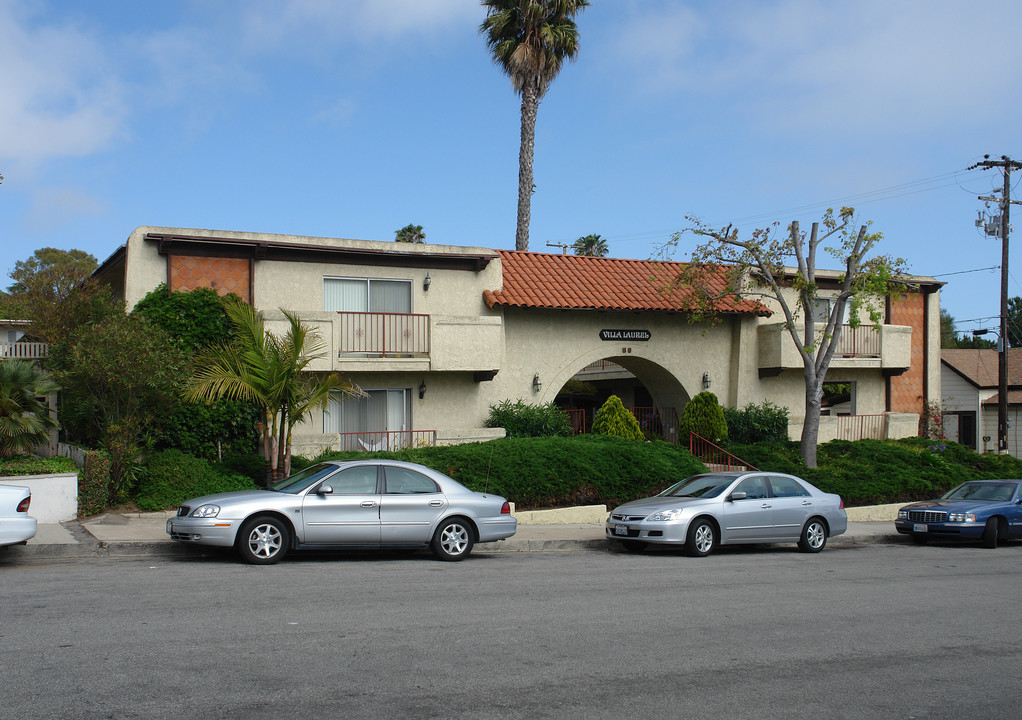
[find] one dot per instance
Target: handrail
(383, 334)
(711, 454)
(377, 440)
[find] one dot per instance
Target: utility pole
(1007, 165)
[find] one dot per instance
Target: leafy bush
(556, 471)
(195, 318)
(756, 423)
(703, 416)
(31, 465)
(224, 428)
(171, 477)
(94, 484)
(521, 420)
(614, 419)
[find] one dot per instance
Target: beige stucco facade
(465, 356)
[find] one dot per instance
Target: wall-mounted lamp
(427, 282)
(422, 390)
(706, 381)
(536, 384)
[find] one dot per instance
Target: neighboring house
(14, 346)
(969, 382)
(437, 334)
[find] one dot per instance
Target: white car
(16, 527)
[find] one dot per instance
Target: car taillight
(505, 509)
(841, 505)
(23, 505)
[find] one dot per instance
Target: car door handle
(368, 503)
(807, 502)
(436, 503)
(765, 505)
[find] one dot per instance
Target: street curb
(99, 549)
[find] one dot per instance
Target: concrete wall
(54, 497)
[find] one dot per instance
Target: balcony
(371, 341)
(883, 347)
(24, 350)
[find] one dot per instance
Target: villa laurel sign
(633, 335)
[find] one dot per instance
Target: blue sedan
(986, 510)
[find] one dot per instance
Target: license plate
(920, 527)
(620, 529)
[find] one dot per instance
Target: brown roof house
(437, 334)
(969, 398)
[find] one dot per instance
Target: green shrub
(94, 484)
(171, 477)
(756, 423)
(556, 471)
(521, 420)
(614, 419)
(223, 428)
(703, 416)
(31, 465)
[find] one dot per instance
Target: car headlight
(961, 517)
(903, 514)
(664, 516)
(206, 511)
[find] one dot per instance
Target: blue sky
(353, 118)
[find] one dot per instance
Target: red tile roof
(577, 282)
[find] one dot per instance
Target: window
(378, 421)
(359, 480)
(823, 307)
(367, 295)
(754, 488)
(786, 487)
(402, 481)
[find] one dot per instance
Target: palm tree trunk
(530, 107)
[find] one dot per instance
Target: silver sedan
(354, 504)
(730, 508)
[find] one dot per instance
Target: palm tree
(591, 245)
(410, 234)
(270, 371)
(25, 420)
(529, 40)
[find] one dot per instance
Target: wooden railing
(861, 427)
(393, 440)
(383, 334)
(24, 350)
(861, 341)
(714, 456)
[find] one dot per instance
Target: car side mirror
(324, 490)
(737, 496)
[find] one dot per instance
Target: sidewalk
(144, 534)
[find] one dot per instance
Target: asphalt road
(886, 631)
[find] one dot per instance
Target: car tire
(990, 533)
(814, 536)
(263, 540)
(633, 546)
(701, 538)
(920, 539)
(452, 540)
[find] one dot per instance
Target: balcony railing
(383, 334)
(861, 341)
(393, 440)
(861, 427)
(24, 350)
(656, 423)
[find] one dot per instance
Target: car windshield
(303, 478)
(996, 492)
(699, 486)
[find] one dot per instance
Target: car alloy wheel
(263, 540)
(701, 538)
(452, 540)
(814, 536)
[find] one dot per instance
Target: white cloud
(60, 96)
(865, 67)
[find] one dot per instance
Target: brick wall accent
(907, 388)
(224, 275)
